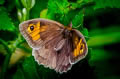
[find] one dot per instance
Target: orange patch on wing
(36, 37)
(38, 24)
(76, 40)
(82, 50)
(79, 48)
(35, 33)
(43, 28)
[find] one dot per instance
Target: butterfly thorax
(67, 33)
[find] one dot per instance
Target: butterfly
(54, 45)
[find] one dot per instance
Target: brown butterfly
(54, 45)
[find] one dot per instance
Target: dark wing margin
(80, 48)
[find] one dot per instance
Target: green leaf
(43, 13)
(58, 6)
(5, 21)
(10, 6)
(107, 3)
(32, 70)
(58, 9)
(39, 6)
(66, 12)
(19, 74)
(18, 4)
(28, 4)
(2, 2)
(78, 19)
(84, 32)
(29, 68)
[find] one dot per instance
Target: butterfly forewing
(47, 29)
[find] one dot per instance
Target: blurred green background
(98, 20)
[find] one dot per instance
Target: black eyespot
(31, 28)
(81, 47)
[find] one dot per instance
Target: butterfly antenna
(77, 26)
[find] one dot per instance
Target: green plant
(15, 54)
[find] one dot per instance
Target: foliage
(2, 2)
(5, 20)
(107, 3)
(98, 20)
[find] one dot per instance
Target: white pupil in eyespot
(31, 28)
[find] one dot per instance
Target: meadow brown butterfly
(54, 45)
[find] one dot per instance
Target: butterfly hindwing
(63, 57)
(79, 46)
(52, 58)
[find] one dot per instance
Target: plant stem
(28, 13)
(9, 53)
(7, 58)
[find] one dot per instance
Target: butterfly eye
(31, 28)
